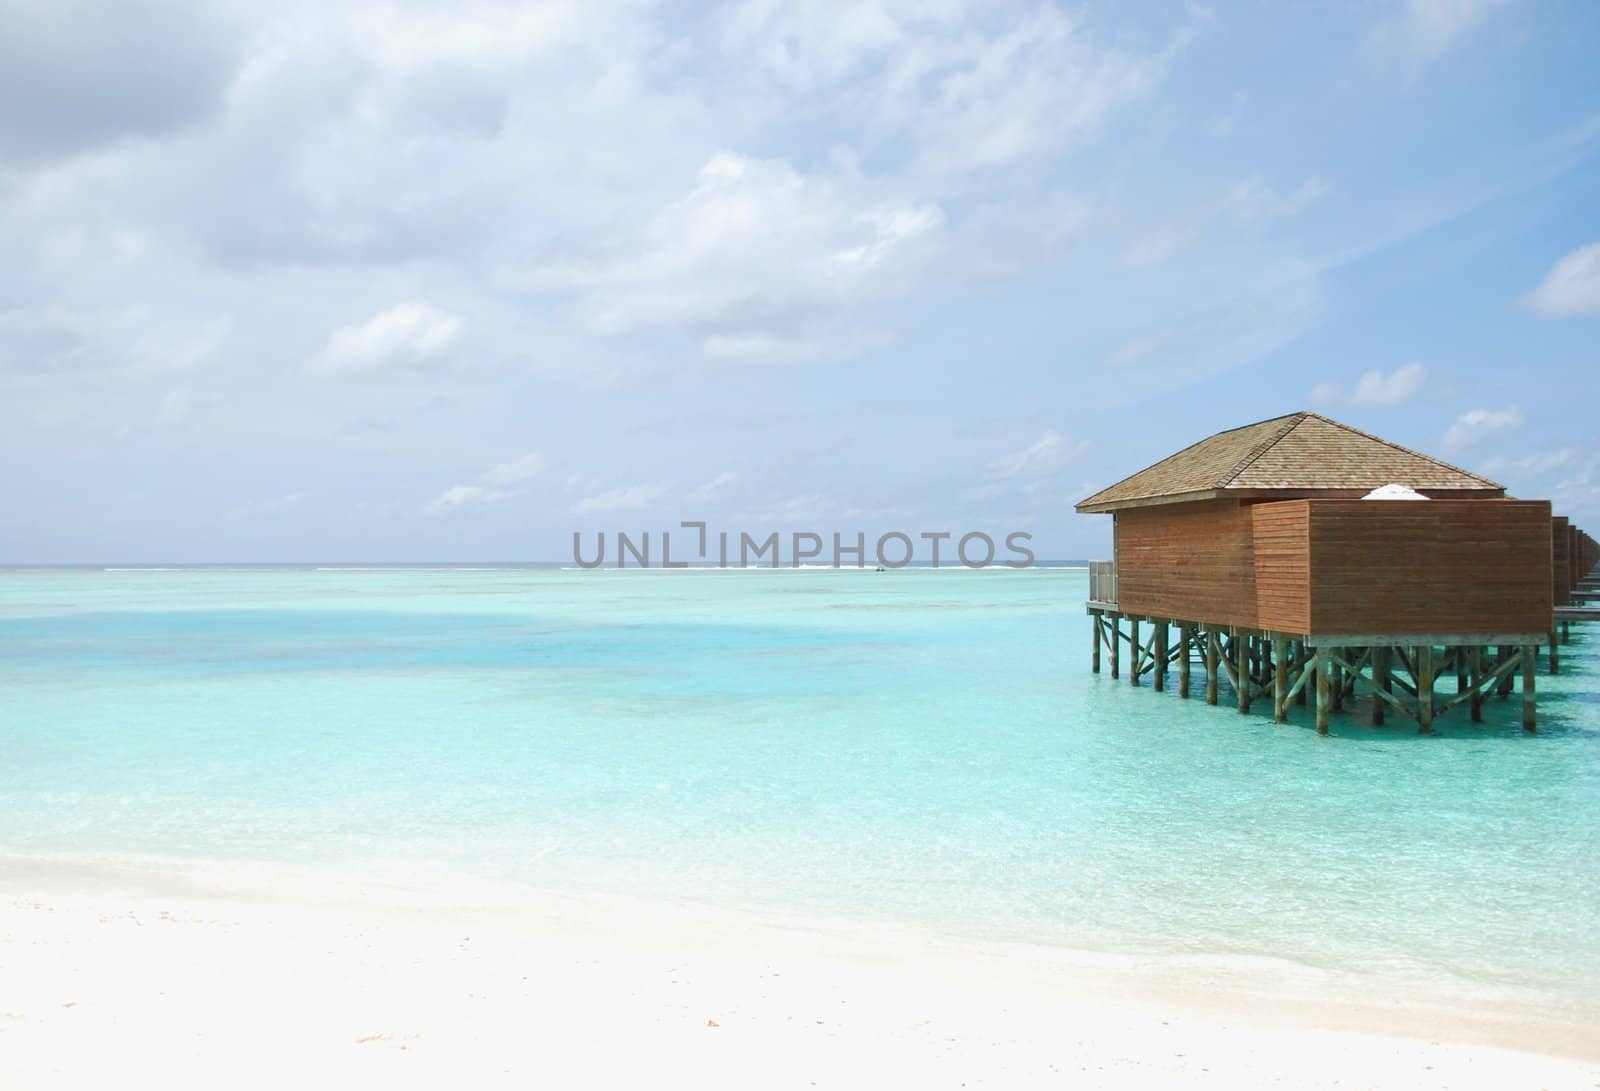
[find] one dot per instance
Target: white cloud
(1540, 462)
(403, 335)
(461, 496)
(1050, 453)
(1255, 201)
(628, 498)
(494, 485)
(1572, 287)
(1236, 330)
(967, 91)
(791, 511)
(755, 256)
(409, 38)
(1376, 387)
(1252, 203)
(1422, 30)
(799, 347)
(274, 506)
(711, 491)
(1477, 425)
(1032, 91)
(515, 471)
(1389, 388)
(1578, 492)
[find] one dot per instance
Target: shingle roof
(1302, 453)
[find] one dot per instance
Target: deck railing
(1103, 581)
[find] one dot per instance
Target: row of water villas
(1300, 555)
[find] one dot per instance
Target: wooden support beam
(1322, 691)
(1425, 689)
(1135, 651)
(1477, 684)
(1303, 681)
(1530, 719)
(1186, 638)
(1381, 682)
(1161, 657)
(1486, 684)
(1352, 671)
(1338, 679)
(1116, 645)
(1280, 680)
(1211, 666)
(1147, 654)
(1302, 663)
(1241, 674)
(1555, 653)
(1094, 661)
(1458, 657)
(1506, 681)
(1398, 704)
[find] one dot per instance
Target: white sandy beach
(112, 971)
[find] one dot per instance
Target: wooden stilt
(1323, 694)
(1458, 655)
(1555, 653)
(1382, 682)
(1475, 702)
(1300, 665)
(1213, 654)
(1338, 681)
(1161, 657)
(1424, 661)
(1135, 652)
(1280, 680)
(1116, 645)
(1508, 681)
(1241, 647)
(1530, 718)
(1186, 636)
(1094, 660)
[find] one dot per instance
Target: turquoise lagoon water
(905, 746)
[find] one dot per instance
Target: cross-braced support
(1398, 674)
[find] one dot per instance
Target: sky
(452, 281)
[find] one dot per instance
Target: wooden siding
(1341, 567)
(1282, 565)
(1440, 566)
(1577, 569)
(1190, 562)
(1561, 560)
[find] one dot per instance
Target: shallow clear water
(914, 745)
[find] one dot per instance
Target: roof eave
(1092, 507)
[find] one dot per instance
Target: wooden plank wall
(1576, 568)
(1561, 560)
(1190, 562)
(1436, 566)
(1282, 565)
(1354, 567)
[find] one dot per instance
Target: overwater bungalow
(1300, 552)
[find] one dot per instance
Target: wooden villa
(1258, 551)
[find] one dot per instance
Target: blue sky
(449, 281)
